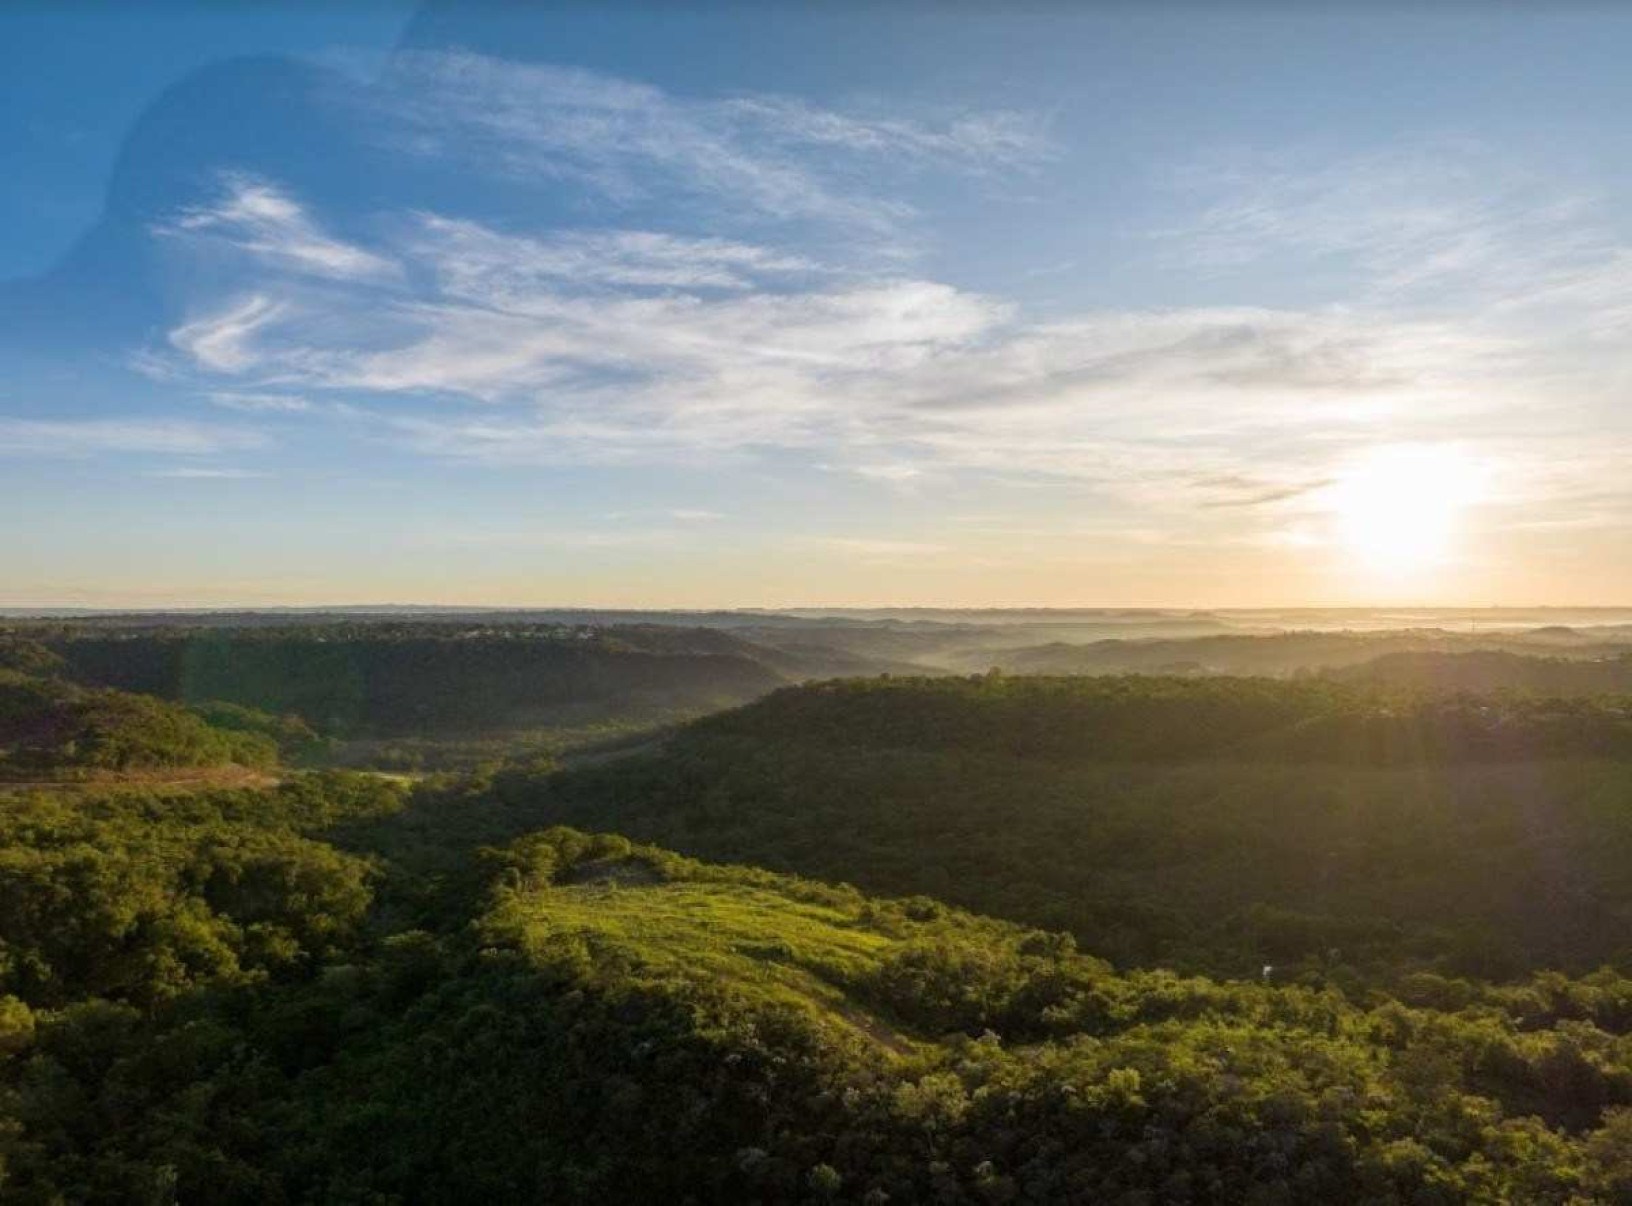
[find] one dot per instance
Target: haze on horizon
(623, 306)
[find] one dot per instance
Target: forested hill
(1494, 670)
(384, 679)
(52, 728)
(1109, 719)
(1281, 654)
(1210, 824)
(269, 998)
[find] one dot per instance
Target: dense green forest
(1286, 653)
(1490, 670)
(1113, 719)
(457, 691)
(330, 992)
(1228, 940)
(382, 679)
(52, 727)
(1212, 824)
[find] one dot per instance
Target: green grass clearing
(770, 945)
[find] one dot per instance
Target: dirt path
(593, 757)
(874, 1029)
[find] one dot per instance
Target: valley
(708, 932)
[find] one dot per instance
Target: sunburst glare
(1398, 509)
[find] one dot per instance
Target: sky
(724, 305)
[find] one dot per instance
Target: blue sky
(645, 306)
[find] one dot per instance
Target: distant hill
(1281, 654)
(1216, 824)
(1493, 670)
(49, 726)
(410, 678)
(1175, 719)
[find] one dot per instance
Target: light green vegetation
(726, 933)
(801, 946)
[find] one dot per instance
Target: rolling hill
(613, 1022)
(394, 679)
(1487, 671)
(51, 727)
(1210, 824)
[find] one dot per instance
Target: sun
(1397, 509)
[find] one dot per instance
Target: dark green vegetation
(391, 680)
(49, 727)
(1211, 824)
(267, 997)
(459, 691)
(1244, 940)
(1495, 670)
(1288, 653)
(422, 696)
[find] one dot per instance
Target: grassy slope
(764, 942)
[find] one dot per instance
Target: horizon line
(45, 609)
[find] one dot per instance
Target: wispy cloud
(223, 341)
(196, 473)
(1520, 278)
(896, 473)
(1466, 305)
(1234, 490)
(877, 549)
(492, 335)
(1418, 221)
(542, 537)
(260, 403)
(482, 264)
(256, 217)
(629, 141)
(89, 437)
(678, 350)
(978, 139)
